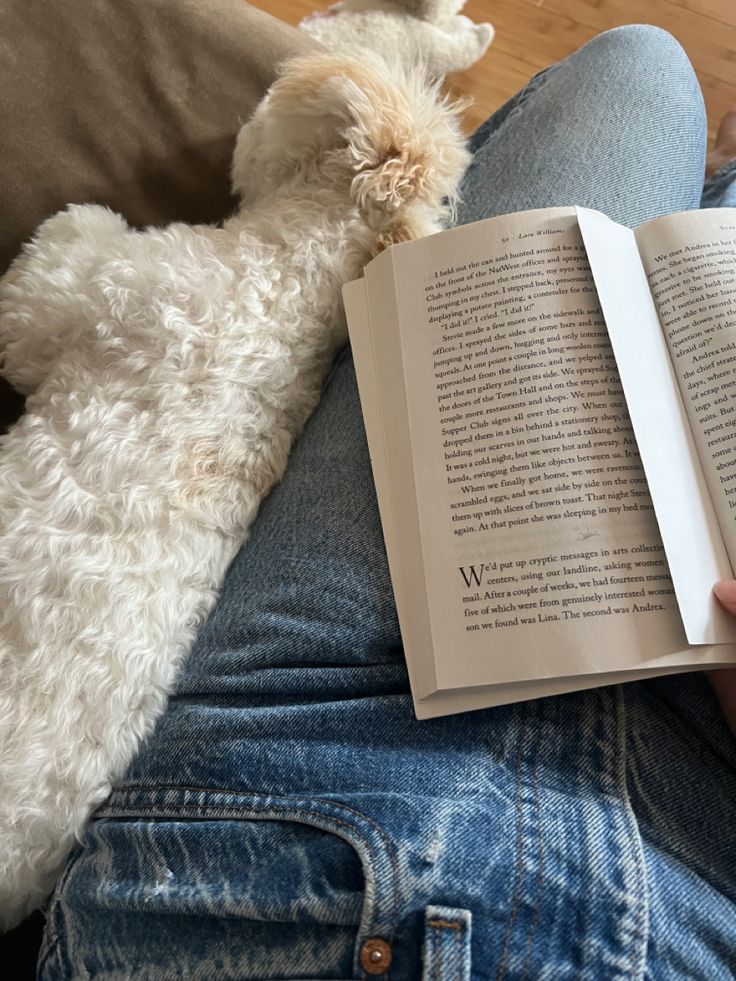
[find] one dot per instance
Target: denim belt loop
(447, 944)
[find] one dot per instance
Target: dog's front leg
(46, 297)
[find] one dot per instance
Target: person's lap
(289, 807)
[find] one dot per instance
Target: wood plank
(531, 34)
(721, 10)
(710, 45)
(700, 35)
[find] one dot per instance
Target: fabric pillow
(133, 103)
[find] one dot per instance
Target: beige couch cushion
(130, 103)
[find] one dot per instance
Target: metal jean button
(375, 956)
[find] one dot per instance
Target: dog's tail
(388, 131)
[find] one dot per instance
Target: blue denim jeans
(720, 190)
(290, 819)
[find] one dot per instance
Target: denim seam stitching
(54, 946)
(639, 933)
(151, 811)
(124, 791)
(225, 810)
(128, 790)
(49, 952)
(520, 835)
(539, 882)
(534, 85)
(458, 926)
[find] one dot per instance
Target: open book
(550, 405)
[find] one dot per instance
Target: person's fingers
(726, 594)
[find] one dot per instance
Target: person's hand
(724, 682)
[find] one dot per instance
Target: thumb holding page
(726, 594)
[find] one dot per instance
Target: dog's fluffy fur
(168, 372)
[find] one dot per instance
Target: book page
(466, 699)
(541, 553)
(690, 261)
(687, 520)
(387, 430)
(403, 543)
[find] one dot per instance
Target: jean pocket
(186, 883)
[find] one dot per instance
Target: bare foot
(725, 146)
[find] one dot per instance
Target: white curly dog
(168, 372)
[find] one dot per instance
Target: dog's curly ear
(393, 135)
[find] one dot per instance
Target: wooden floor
(531, 34)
